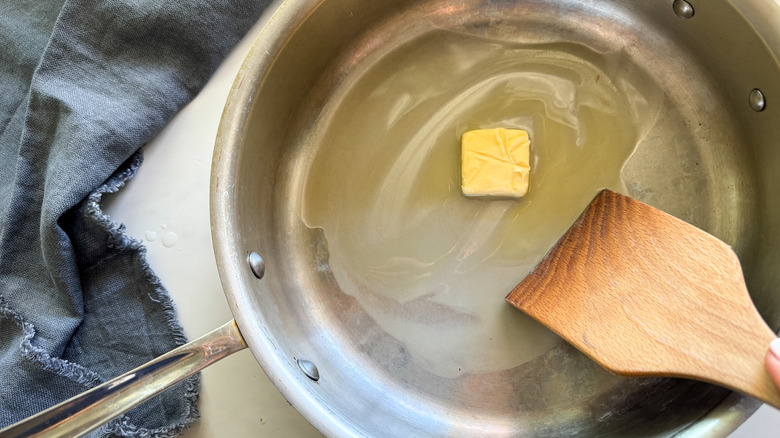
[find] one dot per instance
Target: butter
(495, 162)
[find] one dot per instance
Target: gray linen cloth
(84, 84)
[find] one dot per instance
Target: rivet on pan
(309, 369)
(257, 264)
(757, 100)
(682, 8)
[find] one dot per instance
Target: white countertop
(166, 207)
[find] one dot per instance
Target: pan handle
(93, 408)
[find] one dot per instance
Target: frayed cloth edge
(118, 240)
(29, 351)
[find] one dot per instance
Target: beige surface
(166, 207)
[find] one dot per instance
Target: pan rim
(723, 419)
(261, 56)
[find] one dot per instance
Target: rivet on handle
(309, 369)
(683, 9)
(757, 100)
(256, 264)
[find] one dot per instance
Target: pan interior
(393, 282)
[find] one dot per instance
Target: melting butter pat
(495, 162)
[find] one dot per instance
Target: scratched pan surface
(337, 161)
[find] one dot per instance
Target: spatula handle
(751, 378)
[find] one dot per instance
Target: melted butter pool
(429, 265)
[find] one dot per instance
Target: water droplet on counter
(169, 239)
(151, 236)
(164, 226)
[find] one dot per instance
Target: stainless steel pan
(675, 101)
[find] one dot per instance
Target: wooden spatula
(646, 294)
